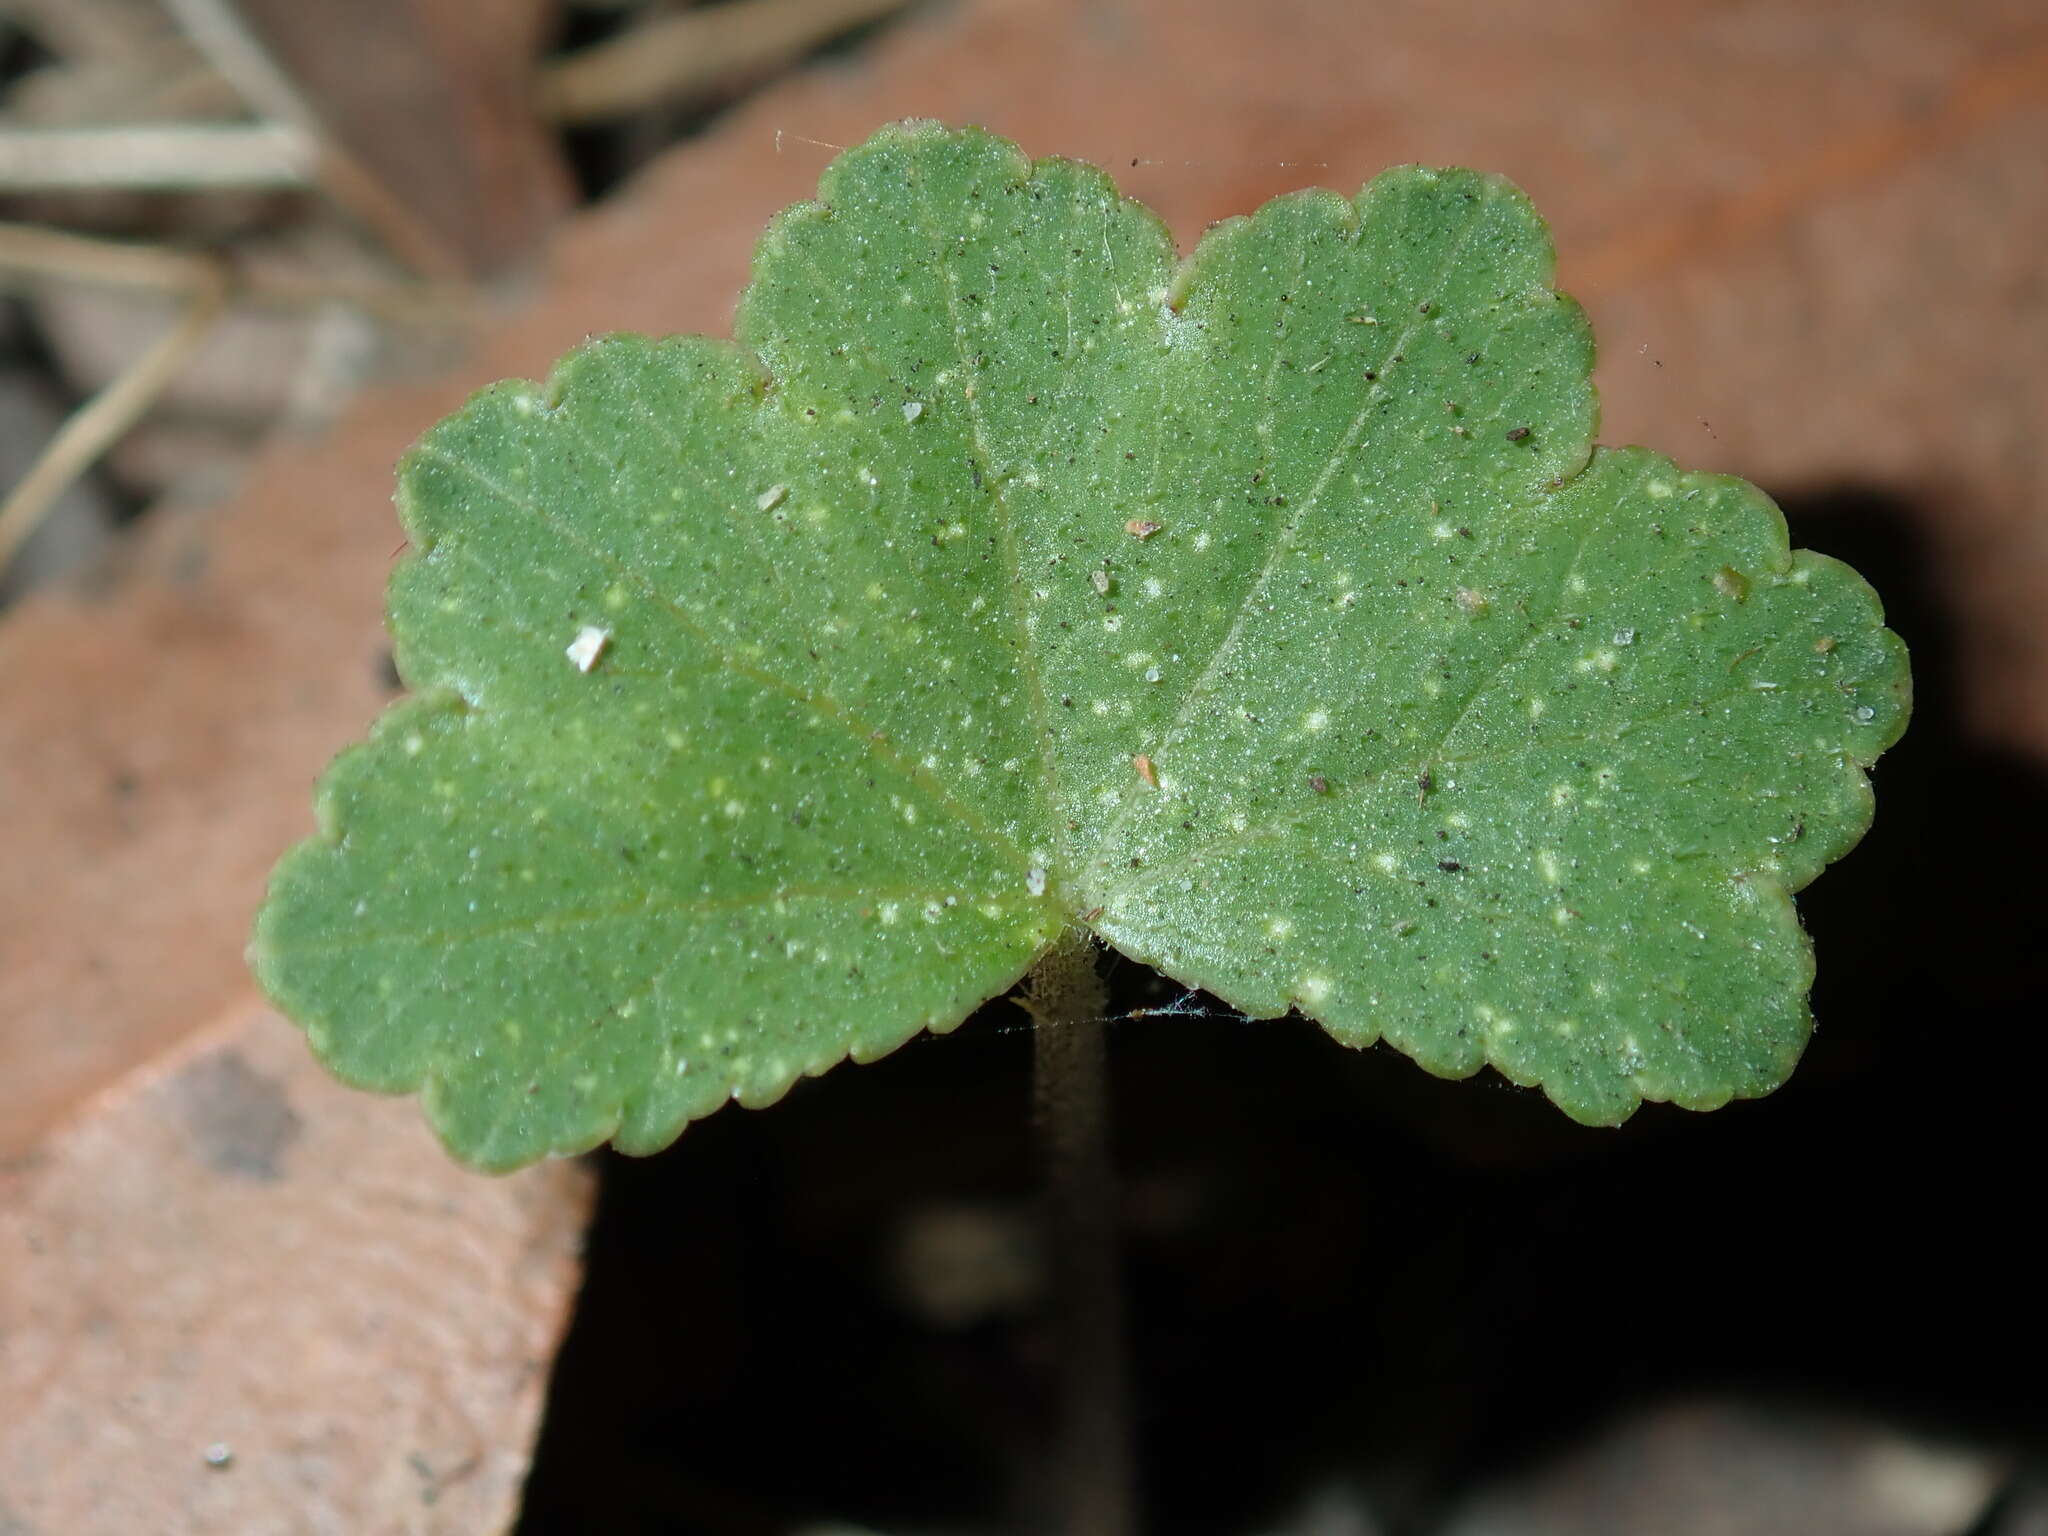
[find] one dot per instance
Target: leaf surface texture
(1270, 612)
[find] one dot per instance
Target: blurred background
(250, 248)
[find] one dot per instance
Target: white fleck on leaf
(589, 644)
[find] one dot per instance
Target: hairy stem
(1093, 1493)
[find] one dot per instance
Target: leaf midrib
(1283, 536)
(825, 706)
(1013, 572)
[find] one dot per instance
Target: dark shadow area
(604, 155)
(1340, 1266)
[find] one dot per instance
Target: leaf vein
(1283, 541)
(1013, 585)
(826, 707)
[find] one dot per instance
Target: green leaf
(1269, 612)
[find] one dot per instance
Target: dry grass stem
(678, 54)
(170, 157)
(219, 33)
(97, 424)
